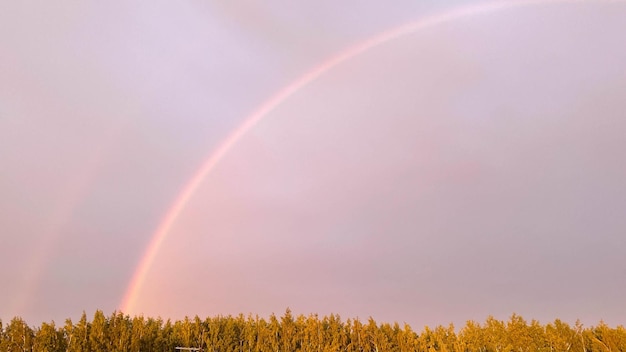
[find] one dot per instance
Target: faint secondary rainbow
(74, 191)
(214, 158)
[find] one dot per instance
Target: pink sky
(467, 169)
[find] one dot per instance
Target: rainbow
(132, 293)
(74, 191)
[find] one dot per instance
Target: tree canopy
(287, 333)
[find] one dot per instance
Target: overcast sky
(471, 168)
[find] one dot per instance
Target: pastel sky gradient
(472, 168)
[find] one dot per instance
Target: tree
(18, 336)
(76, 336)
(49, 339)
(98, 335)
(538, 337)
(374, 341)
(333, 336)
(250, 333)
(560, 336)
(119, 329)
(312, 334)
(212, 339)
(288, 332)
(138, 326)
(517, 335)
(426, 341)
(472, 337)
(274, 330)
(445, 338)
(495, 334)
(2, 338)
(607, 339)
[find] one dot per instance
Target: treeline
(122, 333)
